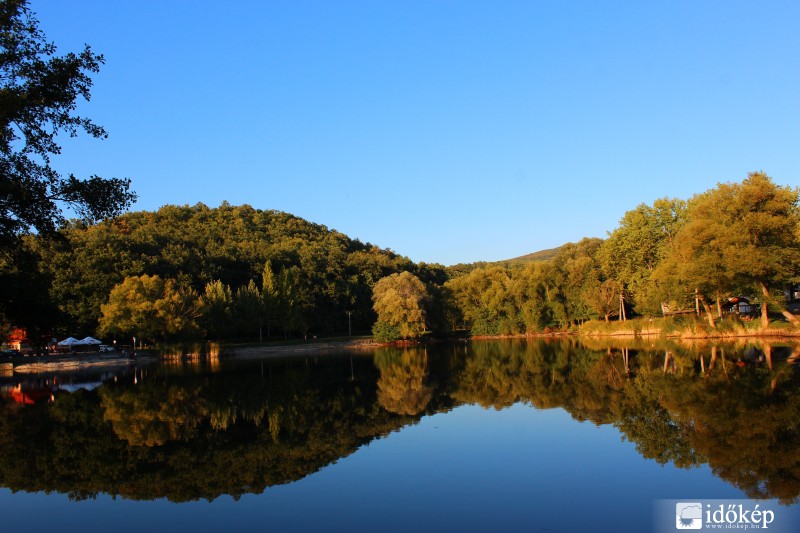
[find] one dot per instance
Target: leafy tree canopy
(400, 301)
(738, 237)
(152, 308)
(39, 92)
(315, 274)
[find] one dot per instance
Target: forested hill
(194, 246)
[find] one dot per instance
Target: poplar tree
(249, 308)
(217, 307)
(269, 293)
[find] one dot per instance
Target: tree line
(235, 272)
(239, 272)
(222, 273)
(738, 239)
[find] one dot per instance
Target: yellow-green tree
(269, 293)
(483, 296)
(740, 237)
(400, 301)
(633, 250)
(150, 307)
(402, 387)
(602, 297)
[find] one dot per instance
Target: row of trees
(238, 272)
(738, 239)
(500, 299)
(202, 271)
(157, 308)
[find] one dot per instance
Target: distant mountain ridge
(541, 255)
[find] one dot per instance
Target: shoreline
(69, 362)
(77, 362)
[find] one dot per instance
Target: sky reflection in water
(468, 469)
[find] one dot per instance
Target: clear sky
(448, 131)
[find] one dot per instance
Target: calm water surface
(545, 436)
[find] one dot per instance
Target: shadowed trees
(315, 275)
(39, 94)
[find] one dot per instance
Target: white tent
(69, 341)
(89, 340)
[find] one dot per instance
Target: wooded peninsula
(245, 274)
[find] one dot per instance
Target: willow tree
(485, 301)
(740, 237)
(400, 301)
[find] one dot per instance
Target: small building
(738, 305)
(792, 293)
(18, 340)
(31, 396)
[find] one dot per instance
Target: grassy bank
(688, 327)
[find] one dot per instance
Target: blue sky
(448, 131)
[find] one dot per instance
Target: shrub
(384, 332)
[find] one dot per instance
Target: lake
(543, 435)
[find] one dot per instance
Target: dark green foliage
(318, 274)
(384, 332)
(39, 92)
(24, 297)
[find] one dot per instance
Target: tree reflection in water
(201, 435)
(401, 386)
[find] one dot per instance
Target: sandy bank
(79, 362)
